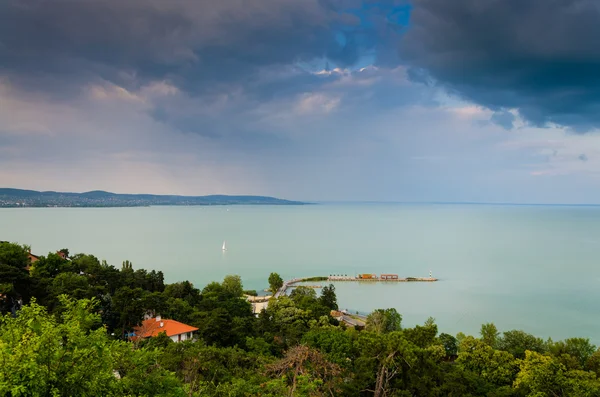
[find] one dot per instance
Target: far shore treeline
(65, 321)
(19, 198)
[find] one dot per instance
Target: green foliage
(328, 297)
(15, 284)
(308, 279)
(13, 255)
(579, 349)
(518, 342)
(494, 366)
(232, 285)
(490, 335)
(304, 371)
(450, 344)
(542, 375)
(593, 363)
(72, 340)
(44, 356)
(302, 293)
(383, 321)
(50, 266)
(183, 290)
(337, 344)
(275, 282)
(422, 336)
(71, 284)
(128, 302)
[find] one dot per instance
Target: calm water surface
(534, 268)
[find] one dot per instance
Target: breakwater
(361, 277)
(381, 278)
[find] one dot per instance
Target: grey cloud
(539, 56)
(198, 45)
(583, 157)
(261, 121)
(504, 119)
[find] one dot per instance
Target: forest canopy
(66, 319)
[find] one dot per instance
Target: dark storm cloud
(540, 56)
(198, 45)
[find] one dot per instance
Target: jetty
(260, 302)
(343, 277)
(381, 277)
(287, 284)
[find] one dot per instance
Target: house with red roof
(175, 330)
(32, 260)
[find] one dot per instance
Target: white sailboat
(223, 248)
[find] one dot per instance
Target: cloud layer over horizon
(393, 100)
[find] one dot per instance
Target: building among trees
(178, 332)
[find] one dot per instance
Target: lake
(522, 267)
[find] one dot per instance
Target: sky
(323, 100)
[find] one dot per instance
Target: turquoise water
(534, 268)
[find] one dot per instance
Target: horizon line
(411, 202)
(500, 203)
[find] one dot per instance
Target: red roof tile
(151, 327)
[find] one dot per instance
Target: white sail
(224, 246)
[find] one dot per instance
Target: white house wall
(175, 338)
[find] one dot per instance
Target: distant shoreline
(18, 198)
(150, 206)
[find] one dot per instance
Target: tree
(127, 276)
(73, 356)
(286, 320)
(542, 376)
(518, 342)
(275, 282)
(14, 278)
(301, 292)
(335, 342)
(44, 357)
(88, 264)
(306, 371)
(50, 266)
(383, 321)
(593, 363)
(494, 366)
(385, 357)
(489, 335)
(127, 304)
(214, 371)
(305, 298)
(127, 266)
(328, 297)
(422, 336)
(579, 348)
(232, 284)
(183, 290)
(71, 284)
(177, 309)
(450, 344)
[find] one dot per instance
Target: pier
(386, 278)
(261, 302)
(287, 284)
(382, 278)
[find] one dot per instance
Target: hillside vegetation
(31, 198)
(65, 324)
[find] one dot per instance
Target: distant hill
(31, 198)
